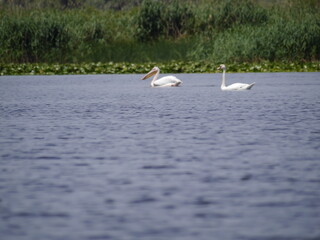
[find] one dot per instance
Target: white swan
(168, 81)
(235, 86)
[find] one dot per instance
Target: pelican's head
(222, 67)
(151, 73)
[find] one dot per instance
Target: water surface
(108, 157)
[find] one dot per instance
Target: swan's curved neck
(223, 83)
(155, 78)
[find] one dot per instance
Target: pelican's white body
(168, 81)
(234, 86)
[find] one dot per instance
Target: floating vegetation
(169, 67)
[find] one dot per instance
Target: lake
(98, 157)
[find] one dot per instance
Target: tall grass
(162, 30)
(282, 37)
(33, 38)
(156, 19)
(60, 36)
(242, 12)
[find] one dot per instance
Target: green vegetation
(43, 34)
(167, 67)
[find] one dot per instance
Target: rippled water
(108, 157)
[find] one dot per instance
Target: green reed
(60, 36)
(204, 30)
(281, 37)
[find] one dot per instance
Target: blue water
(99, 157)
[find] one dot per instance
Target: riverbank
(138, 68)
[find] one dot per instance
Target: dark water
(108, 157)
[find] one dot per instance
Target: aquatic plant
(167, 67)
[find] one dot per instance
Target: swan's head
(222, 67)
(151, 73)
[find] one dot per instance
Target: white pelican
(235, 86)
(168, 81)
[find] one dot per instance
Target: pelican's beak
(219, 68)
(149, 74)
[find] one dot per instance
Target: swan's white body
(234, 86)
(168, 81)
